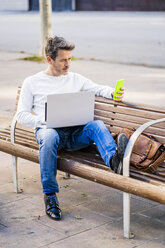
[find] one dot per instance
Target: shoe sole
(120, 168)
(122, 144)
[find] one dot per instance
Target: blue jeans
(70, 138)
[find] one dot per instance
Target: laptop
(69, 109)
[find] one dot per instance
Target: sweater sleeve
(25, 104)
(100, 90)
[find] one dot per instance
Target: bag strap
(152, 167)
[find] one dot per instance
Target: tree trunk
(46, 23)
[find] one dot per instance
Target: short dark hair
(55, 44)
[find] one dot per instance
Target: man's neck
(49, 72)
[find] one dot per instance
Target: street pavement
(92, 213)
(120, 37)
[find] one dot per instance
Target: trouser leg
(96, 131)
(48, 140)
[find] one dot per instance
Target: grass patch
(66, 186)
(74, 58)
(39, 59)
(34, 58)
(78, 217)
(84, 194)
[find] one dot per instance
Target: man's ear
(49, 60)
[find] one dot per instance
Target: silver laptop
(69, 109)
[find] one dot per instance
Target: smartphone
(119, 85)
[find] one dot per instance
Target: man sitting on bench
(57, 79)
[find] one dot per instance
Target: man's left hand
(119, 98)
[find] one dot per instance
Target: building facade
(86, 5)
(120, 5)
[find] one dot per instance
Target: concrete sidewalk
(92, 213)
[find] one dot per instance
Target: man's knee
(96, 125)
(48, 137)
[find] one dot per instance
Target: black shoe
(117, 160)
(52, 207)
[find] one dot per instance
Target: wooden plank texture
(125, 124)
(133, 117)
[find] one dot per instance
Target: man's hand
(119, 98)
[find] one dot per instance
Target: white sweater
(36, 88)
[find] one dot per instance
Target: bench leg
(126, 216)
(15, 178)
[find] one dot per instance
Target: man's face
(61, 64)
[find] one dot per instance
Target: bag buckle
(143, 158)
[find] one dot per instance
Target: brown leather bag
(147, 152)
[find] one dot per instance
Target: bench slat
(146, 108)
(129, 111)
(22, 134)
(114, 129)
(129, 118)
(118, 123)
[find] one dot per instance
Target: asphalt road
(118, 37)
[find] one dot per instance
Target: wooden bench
(87, 163)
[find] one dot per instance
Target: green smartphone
(119, 85)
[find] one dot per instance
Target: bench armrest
(130, 145)
(12, 132)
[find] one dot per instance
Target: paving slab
(111, 204)
(154, 243)
(28, 234)
(19, 211)
(76, 220)
(155, 212)
(144, 228)
(98, 237)
(111, 236)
